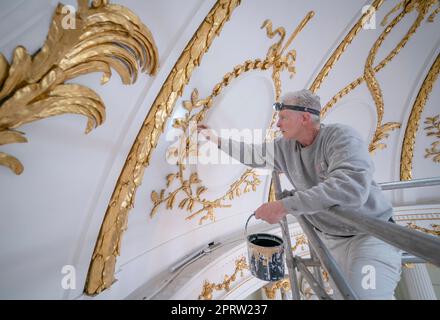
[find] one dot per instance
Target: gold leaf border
(414, 119)
(107, 248)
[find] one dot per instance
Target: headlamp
(278, 106)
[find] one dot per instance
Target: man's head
(295, 124)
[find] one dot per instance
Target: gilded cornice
(414, 119)
(107, 248)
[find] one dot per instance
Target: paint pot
(266, 255)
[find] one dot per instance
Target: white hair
(304, 98)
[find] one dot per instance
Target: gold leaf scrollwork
(196, 111)
(190, 184)
(33, 87)
(107, 247)
(208, 288)
(433, 129)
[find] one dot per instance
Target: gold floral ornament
(208, 288)
(407, 6)
(32, 88)
(108, 244)
(300, 241)
(196, 109)
(433, 129)
(423, 7)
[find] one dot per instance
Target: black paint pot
(266, 255)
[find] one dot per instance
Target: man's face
(289, 123)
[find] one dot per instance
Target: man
(331, 170)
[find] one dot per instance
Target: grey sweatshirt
(334, 174)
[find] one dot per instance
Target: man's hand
(271, 212)
(207, 132)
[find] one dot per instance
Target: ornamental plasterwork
(306, 292)
(414, 119)
(208, 287)
(301, 243)
(271, 289)
(278, 59)
(131, 177)
(300, 248)
(33, 88)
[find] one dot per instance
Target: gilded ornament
(406, 6)
(435, 231)
(433, 129)
(208, 288)
(348, 39)
(196, 111)
(33, 87)
(414, 119)
(284, 286)
(300, 240)
(422, 11)
(102, 266)
(271, 289)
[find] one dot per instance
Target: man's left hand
(271, 212)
